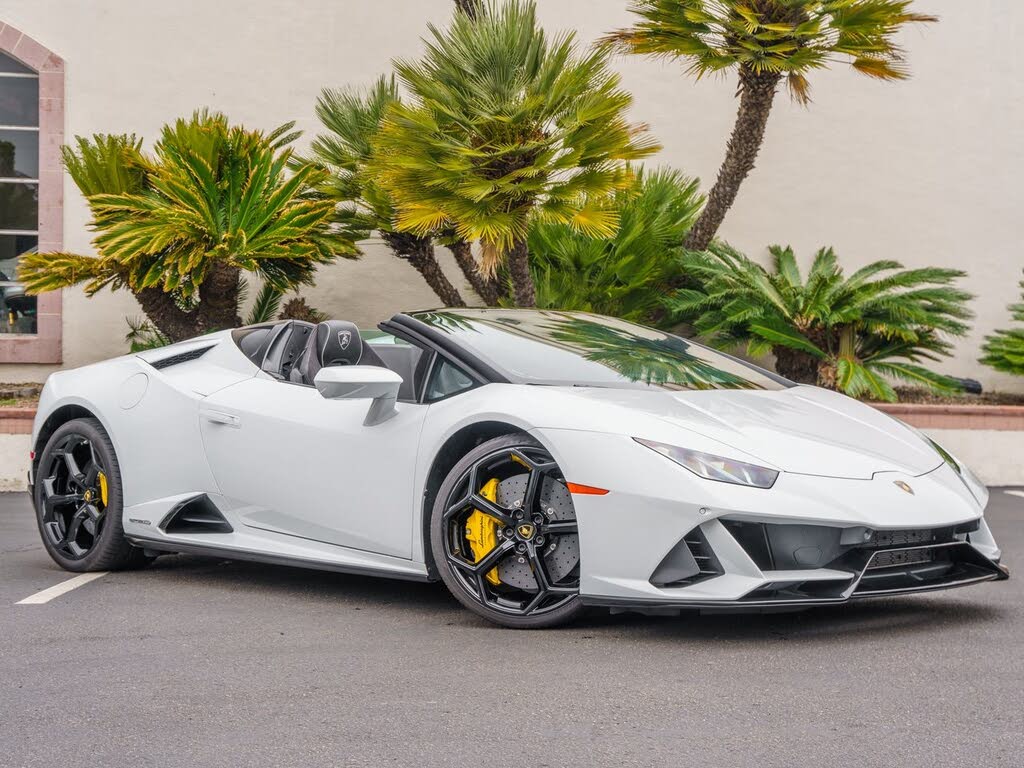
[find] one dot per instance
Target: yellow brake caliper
(482, 530)
(103, 489)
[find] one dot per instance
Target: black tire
(72, 467)
(466, 579)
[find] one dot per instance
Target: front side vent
(690, 561)
(196, 515)
(181, 357)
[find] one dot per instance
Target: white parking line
(57, 590)
(1015, 493)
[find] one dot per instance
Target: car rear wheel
(505, 537)
(78, 501)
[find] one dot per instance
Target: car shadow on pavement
(860, 620)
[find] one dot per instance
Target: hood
(805, 430)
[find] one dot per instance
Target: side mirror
(362, 382)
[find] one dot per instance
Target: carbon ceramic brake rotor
(556, 504)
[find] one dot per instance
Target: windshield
(575, 348)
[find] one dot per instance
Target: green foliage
(351, 120)
(143, 335)
(1004, 350)
(878, 323)
(211, 193)
(786, 37)
(265, 307)
(506, 124)
(623, 275)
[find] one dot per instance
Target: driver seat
(333, 342)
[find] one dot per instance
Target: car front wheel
(505, 537)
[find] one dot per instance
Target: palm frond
(791, 38)
(881, 321)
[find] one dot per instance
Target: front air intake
(196, 515)
(690, 561)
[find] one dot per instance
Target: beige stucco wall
(924, 171)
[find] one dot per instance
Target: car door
(304, 465)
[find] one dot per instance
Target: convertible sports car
(535, 461)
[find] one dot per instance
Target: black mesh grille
(895, 557)
(182, 357)
(905, 538)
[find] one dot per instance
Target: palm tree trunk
(523, 289)
(486, 288)
(419, 251)
(161, 309)
(218, 299)
(757, 92)
(796, 365)
(469, 7)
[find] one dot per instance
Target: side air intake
(196, 515)
(691, 560)
(182, 357)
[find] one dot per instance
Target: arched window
(31, 133)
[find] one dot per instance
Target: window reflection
(572, 348)
(19, 189)
(17, 311)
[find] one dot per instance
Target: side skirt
(228, 553)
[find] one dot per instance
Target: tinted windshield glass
(546, 347)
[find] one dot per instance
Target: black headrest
(334, 342)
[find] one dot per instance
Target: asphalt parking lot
(202, 662)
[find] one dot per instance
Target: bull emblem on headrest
(344, 338)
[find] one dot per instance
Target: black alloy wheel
(504, 535)
(78, 500)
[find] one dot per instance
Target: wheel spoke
(74, 472)
(50, 503)
(91, 522)
(492, 558)
(560, 527)
(75, 525)
(456, 508)
(492, 509)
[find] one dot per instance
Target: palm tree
(765, 41)
(1004, 350)
(506, 126)
(845, 333)
(623, 275)
(180, 227)
(351, 120)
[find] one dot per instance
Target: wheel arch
(57, 418)
(458, 444)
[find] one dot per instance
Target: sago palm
(765, 41)
(506, 125)
(1004, 350)
(623, 275)
(351, 119)
(179, 228)
(850, 333)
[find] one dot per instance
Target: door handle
(219, 417)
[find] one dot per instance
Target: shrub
(846, 333)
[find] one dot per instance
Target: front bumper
(933, 567)
(662, 537)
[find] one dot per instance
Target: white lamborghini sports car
(536, 462)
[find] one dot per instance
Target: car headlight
(969, 479)
(716, 468)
